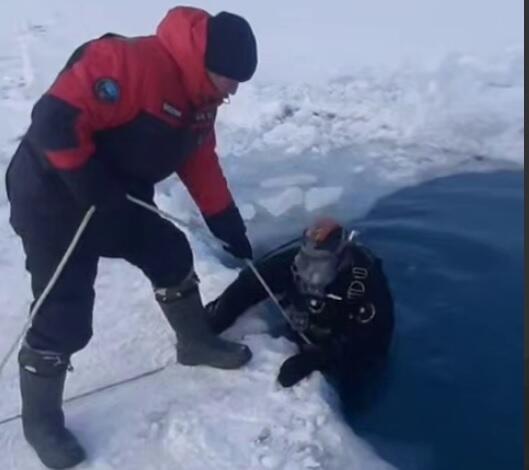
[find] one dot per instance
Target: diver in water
(336, 297)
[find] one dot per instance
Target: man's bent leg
(163, 253)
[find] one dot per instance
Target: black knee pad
(43, 363)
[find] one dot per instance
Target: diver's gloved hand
(301, 365)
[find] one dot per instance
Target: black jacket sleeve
(52, 136)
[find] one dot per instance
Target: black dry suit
(350, 329)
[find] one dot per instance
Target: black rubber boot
(196, 342)
(42, 377)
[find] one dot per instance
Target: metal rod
(250, 264)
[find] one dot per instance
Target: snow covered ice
(329, 125)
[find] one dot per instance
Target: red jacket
(124, 114)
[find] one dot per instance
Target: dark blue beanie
(231, 49)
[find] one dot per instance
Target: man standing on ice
(123, 114)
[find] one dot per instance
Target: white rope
(49, 287)
(72, 246)
(63, 262)
(98, 390)
(160, 212)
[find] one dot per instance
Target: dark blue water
(453, 251)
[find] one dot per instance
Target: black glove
(228, 226)
(301, 365)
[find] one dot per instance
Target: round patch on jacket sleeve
(107, 90)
